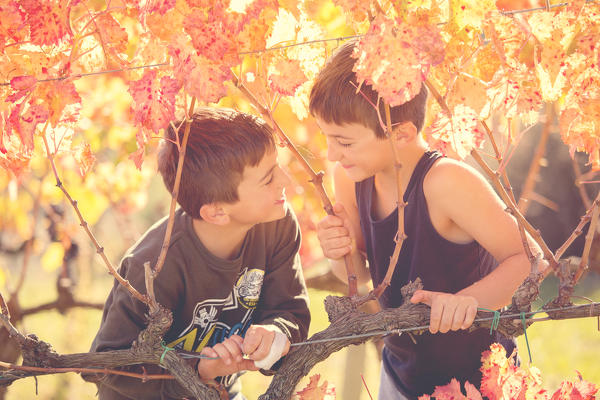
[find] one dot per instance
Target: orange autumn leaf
(85, 159)
(313, 391)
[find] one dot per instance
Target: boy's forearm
(496, 289)
(338, 267)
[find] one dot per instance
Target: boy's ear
(214, 213)
(405, 132)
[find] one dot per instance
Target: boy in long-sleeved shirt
(232, 276)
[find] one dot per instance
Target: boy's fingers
(338, 208)
(459, 317)
(264, 346)
(470, 316)
(209, 352)
(234, 349)
(435, 317)
(250, 344)
(223, 353)
(422, 296)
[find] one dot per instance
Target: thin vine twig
(583, 264)
(401, 204)
(534, 167)
(315, 178)
(85, 226)
(143, 377)
(578, 182)
(165, 245)
(578, 231)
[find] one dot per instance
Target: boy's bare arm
(463, 207)
(341, 234)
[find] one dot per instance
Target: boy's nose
(332, 153)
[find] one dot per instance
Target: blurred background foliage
(120, 202)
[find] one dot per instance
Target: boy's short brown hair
(333, 97)
(221, 143)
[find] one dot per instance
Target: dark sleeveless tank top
(442, 266)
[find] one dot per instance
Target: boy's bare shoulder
(450, 178)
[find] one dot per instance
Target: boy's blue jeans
(387, 389)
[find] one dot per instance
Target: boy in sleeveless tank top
(460, 240)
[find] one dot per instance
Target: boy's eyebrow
(268, 173)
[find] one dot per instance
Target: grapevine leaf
(154, 100)
(112, 33)
(25, 123)
(48, 21)
(85, 158)
(22, 85)
(286, 77)
(455, 135)
(200, 76)
(450, 391)
(12, 19)
(470, 12)
(313, 391)
(155, 6)
(395, 57)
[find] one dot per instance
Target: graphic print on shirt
(215, 320)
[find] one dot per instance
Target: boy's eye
(345, 144)
(269, 180)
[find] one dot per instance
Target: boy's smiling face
(357, 149)
(261, 193)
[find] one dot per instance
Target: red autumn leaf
(287, 77)
(152, 6)
(154, 100)
(313, 391)
(48, 21)
(25, 123)
(85, 158)
(214, 32)
(21, 85)
(11, 22)
(450, 391)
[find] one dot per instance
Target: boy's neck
(223, 241)
(409, 156)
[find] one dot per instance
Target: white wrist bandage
(275, 353)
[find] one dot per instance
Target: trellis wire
(520, 316)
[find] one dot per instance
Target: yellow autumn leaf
(470, 12)
(53, 256)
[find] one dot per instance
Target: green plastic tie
(495, 320)
(525, 333)
(166, 349)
